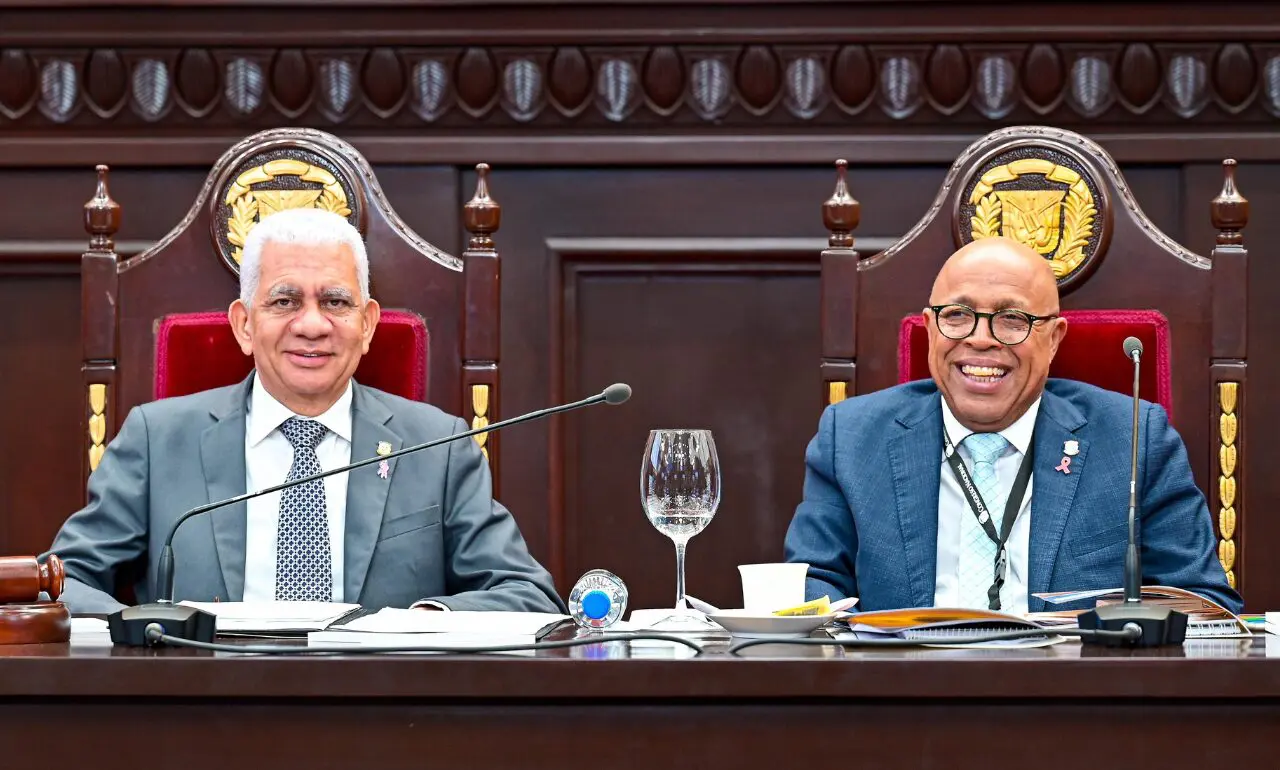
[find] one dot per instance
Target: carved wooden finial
(1230, 210)
(482, 215)
(101, 216)
(841, 212)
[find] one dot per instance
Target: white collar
(269, 414)
(1018, 434)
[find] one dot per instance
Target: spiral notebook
(942, 625)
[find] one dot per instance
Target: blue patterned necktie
(304, 559)
(977, 552)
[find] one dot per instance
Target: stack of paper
(274, 618)
(91, 632)
(1206, 619)
(391, 627)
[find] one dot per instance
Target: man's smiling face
(988, 384)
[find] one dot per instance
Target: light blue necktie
(977, 552)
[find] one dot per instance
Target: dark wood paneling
(290, 734)
(602, 21)
(429, 200)
(506, 149)
(50, 202)
(726, 346)
(40, 405)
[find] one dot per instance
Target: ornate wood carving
(1228, 459)
(97, 424)
(554, 87)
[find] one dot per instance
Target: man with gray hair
(419, 531)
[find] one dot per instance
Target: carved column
(482, 216)
(1228, 373)
(840, 215)
(98, 322)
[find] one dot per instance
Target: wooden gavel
(23, 578)
(25, 618)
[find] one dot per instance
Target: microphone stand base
(1160, 626)
(129, 625)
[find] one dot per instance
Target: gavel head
(23, 578)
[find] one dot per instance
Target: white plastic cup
(771, 587)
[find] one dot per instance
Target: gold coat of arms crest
(250, 198)
(1055, 218)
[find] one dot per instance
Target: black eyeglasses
(1008, 327)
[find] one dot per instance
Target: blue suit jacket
(868, 525)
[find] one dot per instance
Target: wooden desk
(1210, 704)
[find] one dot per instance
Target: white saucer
(753, 625)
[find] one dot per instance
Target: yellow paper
(816, 607)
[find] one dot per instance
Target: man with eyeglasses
(991, 483)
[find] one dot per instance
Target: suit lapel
(1053, 491)
(222, 459)
(915, 454)
(366, 489)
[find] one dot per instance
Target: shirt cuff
(429, 603)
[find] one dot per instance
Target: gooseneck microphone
(128, 626)
(1159, 625)
(1132, 565)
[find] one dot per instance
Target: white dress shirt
(952, 505)
(268, 455)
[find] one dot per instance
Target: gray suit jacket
(431, 530)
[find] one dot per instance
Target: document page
(274, 617)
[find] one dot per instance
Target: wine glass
(680, 491)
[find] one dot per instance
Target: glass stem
(680, 603)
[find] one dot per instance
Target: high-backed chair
(1118, 275)
(155, 326)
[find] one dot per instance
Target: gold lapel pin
(384, 448)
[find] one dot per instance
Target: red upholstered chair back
(197, 351)
(1089, 353)
(1118, 275)
(154, 325)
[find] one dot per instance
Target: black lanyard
(980, 510)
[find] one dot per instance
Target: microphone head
(617, 393)
(1132, 346)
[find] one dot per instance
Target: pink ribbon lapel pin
(1069, 449)
(384, 469)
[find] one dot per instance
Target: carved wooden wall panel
(619, 88)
